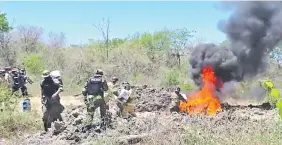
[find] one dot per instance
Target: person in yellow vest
(176, 96)
(126, 101)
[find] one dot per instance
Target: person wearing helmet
(26, 78)
(176, 96)
(19, 78)
(52, 108)
(16, 81)
(126, 101)
(113, 82)
(93, 93)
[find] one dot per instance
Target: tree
(104, 28)
(4, 24)
(57, 40)
(179, 40)
(29, 37)
(116, 42)
(6, 52)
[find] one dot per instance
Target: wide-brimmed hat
(45, 73)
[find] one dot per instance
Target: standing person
(112, 91)
(16, 82)
(51, 106)
(93, 93)
(23, 80)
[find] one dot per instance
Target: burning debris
(253, 29)
(204, 100)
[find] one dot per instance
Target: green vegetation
(159, 58)
(13, 122)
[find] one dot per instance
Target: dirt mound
(151, 99)
(155, 125)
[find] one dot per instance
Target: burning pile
(253, 29)
(204, 100)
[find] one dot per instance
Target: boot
(45, 126)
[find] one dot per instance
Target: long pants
(22, 88)
(92, 103)
(52, 109)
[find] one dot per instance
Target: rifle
(29, 80)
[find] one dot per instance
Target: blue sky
(76, 19)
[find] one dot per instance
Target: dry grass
(227, 128)
(15, 124)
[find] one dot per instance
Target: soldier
(113, 83)
(26, 78)
(126, 101)
(112, 91)
(51, 106)
(93, 93)
(15, 83)
(175, 100)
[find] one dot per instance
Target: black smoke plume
(252, 29)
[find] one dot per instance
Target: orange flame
(203, 101)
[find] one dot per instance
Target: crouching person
(176, 97)
(126, 101)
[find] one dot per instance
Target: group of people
(16, 79)
(97, 93)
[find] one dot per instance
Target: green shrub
(34, 63)
(12, 122)
(172, 77)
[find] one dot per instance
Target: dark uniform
(51, 106)
(94, 95)
(18, 82)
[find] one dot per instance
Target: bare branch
(57, 40)
(29, 37)
(104, 29)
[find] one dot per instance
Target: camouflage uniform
(51, 105)
(126, 101)
(175, 100)
(112, 91)
(94, 95)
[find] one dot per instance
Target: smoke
(253, 29)
(223, 61)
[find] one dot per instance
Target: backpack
(56, 76)
(95, 85)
